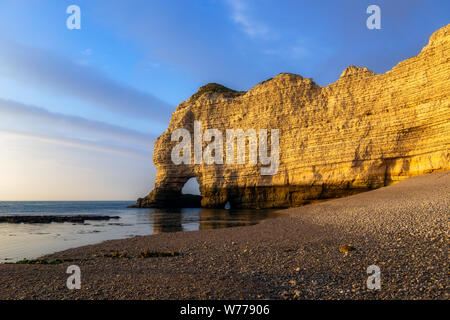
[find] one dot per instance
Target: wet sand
(403, 229)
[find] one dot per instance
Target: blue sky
(80, 109)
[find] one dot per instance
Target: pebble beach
(402, 229)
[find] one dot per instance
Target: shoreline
(401, 228)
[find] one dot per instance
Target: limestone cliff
(362, 132)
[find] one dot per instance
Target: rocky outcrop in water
(362, 132)
(56, 219)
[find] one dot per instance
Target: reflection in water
(165, 220)
(20, 241)
(221, 218)
(173, 220)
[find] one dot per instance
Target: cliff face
(362, 132)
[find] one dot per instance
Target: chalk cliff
(362, 132)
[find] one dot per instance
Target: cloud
(86, 52)
(39, 167)
(240, 16)
(47, 70)
(78, 143)
(72, 131)
(74, 124)
(291, 52)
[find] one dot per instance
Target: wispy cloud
(70, 123)
(86, 52)
(85, 55)
(47, 70)
(240, 15)
(292, 52)
(70, 130)
(77, 143)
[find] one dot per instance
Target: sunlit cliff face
(85, 88)
(362, 132)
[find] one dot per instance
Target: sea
(29, 241)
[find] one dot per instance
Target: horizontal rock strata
(362, 132)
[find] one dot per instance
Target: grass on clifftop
(212, 88)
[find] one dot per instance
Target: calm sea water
(19, 241)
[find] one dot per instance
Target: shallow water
(19, 241)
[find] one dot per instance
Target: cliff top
(211, 88)
(353, 70)
(441, 35)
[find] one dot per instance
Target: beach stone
(346, 249)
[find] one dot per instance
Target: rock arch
(361, 132)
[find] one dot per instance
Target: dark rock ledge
(50, 219)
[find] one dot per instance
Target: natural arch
(174, 192)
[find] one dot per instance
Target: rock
(169, 200)
(50, 219)
(156, 254)
(363, 131)
(346, 249)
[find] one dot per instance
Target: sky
(80, 109)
